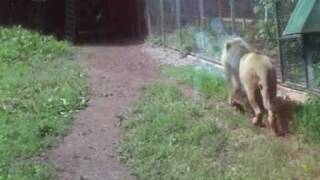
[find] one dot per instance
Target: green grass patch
(308, 114)
(171, 136)
(41, 88)
(208, 82)
(308, 120)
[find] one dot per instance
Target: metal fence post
(148, 19)
(280, 58)
(178, 21)
(233, 15)
(202, 18)
(201, 8)
(220, 8)
(162, 21)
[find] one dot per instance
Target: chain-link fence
(290, 48)
(201, 26)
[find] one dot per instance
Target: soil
(116, 73)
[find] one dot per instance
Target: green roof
(305, 18)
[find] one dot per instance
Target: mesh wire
(201, 26)
(293, 67)
(284, 9)
(197, 26)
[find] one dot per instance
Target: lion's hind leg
(254, 103)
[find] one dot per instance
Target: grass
(172, 136)
(41, 88)
(309, 121)
(200, 79)
(309, 113)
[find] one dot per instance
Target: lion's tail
(268, 85)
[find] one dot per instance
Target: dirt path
(116, 75)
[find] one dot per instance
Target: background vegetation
(41, 88)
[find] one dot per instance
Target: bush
(19, 45)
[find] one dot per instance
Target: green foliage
(40, 90)
(266, 23)
(267, 30)
(170, 136)
(266, 27)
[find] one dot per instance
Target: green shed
(304, 18)
(299, 41)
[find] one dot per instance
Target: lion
(252, 76)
